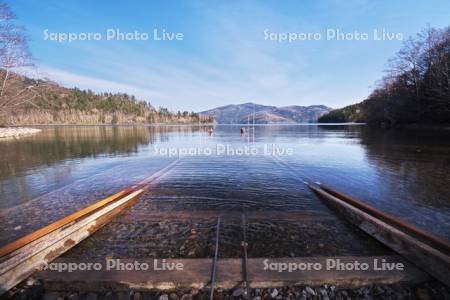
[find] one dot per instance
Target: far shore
(27, 129)
(175, 124)
(109, 125)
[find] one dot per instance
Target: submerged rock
(238, 292)
(173, 296)
(163, 297)
(274, 293)
(310, 291)
(186, 297)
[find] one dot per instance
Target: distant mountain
(240, 113)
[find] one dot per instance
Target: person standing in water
(242, 131)
(210, 131)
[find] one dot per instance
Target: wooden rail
(214, 263)
(21, 258)
(420, 247)
(244, 257)
(8, 249)
(393, 220)
(22, 262)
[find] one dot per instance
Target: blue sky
(224, 57)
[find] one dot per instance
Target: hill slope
(350, 113)
(54, 104)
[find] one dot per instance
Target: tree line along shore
(415, 89)
(53, 104)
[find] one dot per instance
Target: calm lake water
(62, 169)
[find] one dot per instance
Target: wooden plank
(260, 278)
(433, 261)
(60, 223)
(67, 221)
(19, 267)
(21, 258)
(196, 274)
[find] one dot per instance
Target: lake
(262, 172)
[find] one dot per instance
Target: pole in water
(216, 252)
(248, 129)
(253, 131)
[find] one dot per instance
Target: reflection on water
(417, 157)
(31, 166)
(49, 175)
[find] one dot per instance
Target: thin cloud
(239, 66)
(69, 79)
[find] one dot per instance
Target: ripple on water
(195, 192)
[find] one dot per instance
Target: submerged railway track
(420, 252)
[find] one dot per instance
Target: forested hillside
(49, 103)
(416, 88)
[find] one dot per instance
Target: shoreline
(17, 132)
(108, 125)
(31, 127)
(35, 288)
(179, 124)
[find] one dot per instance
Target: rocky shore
(15, 132)
(429, 290)
(195, 239)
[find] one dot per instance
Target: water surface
(62, 169)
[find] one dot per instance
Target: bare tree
(15, 90)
